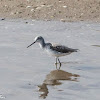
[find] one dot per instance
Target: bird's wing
(63, 49)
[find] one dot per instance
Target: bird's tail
(76, 50)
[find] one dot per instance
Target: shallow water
(28, 74)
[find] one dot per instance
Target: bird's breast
(55, 53)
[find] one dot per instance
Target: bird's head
(37, 39)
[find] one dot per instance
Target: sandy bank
(65, 10)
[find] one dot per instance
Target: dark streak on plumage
(63, 49)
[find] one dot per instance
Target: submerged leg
(59, 63)
(56, 63)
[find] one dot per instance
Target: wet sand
(63, 10)
(31, 73)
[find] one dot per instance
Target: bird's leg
(59, 63)
(56, 63)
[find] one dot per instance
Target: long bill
(30, 44)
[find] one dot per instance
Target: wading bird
(53, 50)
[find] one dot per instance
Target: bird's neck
(42, 44)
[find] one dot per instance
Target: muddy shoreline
(64, 10)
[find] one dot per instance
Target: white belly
(55, 53)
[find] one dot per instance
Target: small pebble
(26, 22)
(63, 20)
(64, 6)
(3, 19)
(28, 7)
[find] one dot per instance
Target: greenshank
(54, 50)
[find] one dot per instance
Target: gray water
(30, 74)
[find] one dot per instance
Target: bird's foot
(60, 65)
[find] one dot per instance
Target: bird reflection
(70, 62)
(53, 78)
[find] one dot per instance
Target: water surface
(28, 74)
